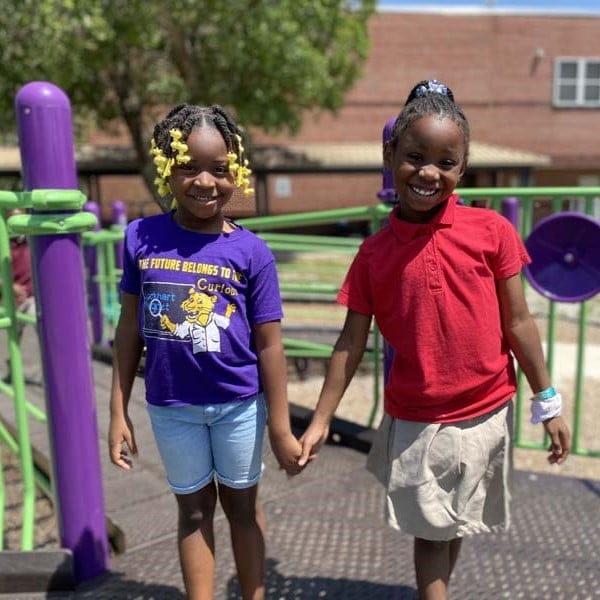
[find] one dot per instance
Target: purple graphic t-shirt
(199, 296)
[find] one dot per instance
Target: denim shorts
(198, 443)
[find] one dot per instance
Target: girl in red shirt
(443, 283)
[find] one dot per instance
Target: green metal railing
(17, 439)
(106, 278)
(311, 269)
(19, 445)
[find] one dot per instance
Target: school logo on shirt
(181, 312)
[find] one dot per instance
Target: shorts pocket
(409, 453)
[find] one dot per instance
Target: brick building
(528, 83)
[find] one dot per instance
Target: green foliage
(267, 60)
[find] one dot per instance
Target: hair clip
(432, 85)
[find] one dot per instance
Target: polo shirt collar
(405, 231)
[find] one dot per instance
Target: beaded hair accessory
(241, 172)
(432, 85)
(164, 165)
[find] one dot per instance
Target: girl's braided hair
(187, 116)
(170, 134)
(427, 98)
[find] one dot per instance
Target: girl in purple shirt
(200, 293)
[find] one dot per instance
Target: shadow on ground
(280, 587)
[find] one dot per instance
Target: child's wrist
(322, 420)
(279, 430)
(545, 404)
(545, 394)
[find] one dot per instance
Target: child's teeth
(424, 192)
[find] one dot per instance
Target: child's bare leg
(196, 541)
(454, 552)
(247, 524)
(434, 562)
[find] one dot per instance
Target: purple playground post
(119, 221)
(510, 209)
(119, 213)
(93, 287)
(119, 218)
(48, 162)
(387, 194)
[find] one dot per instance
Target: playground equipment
(94, 297)
(565, 253)
(387, 194)
(50, 178)
(119, 223)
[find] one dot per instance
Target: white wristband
(541, 410)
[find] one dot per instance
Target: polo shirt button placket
(434, 275)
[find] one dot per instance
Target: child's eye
(222, 170)
(414, 157)
(447, 165)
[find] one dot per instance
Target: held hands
(312, 440)
(121, 442)
(560, 439)
(293, 455)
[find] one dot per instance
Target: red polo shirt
(21, 264)
(431, 288)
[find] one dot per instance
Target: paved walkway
(326, 535)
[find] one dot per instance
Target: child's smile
(204, 202)
(424, 192)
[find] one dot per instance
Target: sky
(569, 6)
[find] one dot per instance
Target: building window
(577, 82)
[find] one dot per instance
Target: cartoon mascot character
(201, 323)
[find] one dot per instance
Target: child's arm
(345, 359)
(524, 340)
(273, 371)
(20, 294)
(127, 350)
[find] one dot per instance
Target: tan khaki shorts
(445, 480)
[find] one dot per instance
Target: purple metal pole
(93, 288)
(119, 218)
(387, 194)
(119, 213)
(510, 209)
(47, 155)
